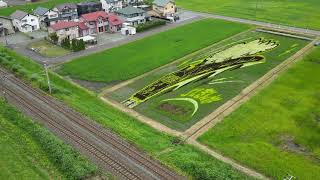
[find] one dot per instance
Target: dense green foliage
(277, 131)
(37, 153)
(133, 59)
(183, 158)
(150, 24)
(288, 12)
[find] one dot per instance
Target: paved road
(22, 47)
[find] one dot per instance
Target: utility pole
(48, 79)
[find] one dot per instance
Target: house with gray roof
(46, 16)
(6, 26)
(111, 5)
(24, 22)
(164, 8)
(132, 15)
(66, 11)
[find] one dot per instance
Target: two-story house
(132, 15)
(65, 29)
(111, 5)
(46, 16)
(24, 22)
(88, 7)
(115, 23)
(67, 11)
(164, 8)
(97, 22)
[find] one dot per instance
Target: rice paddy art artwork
(241, 55)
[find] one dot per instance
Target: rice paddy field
(181, 157)
(288, 12)
(181, 94)
(277, 131)
(136, 58)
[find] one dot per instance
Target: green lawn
(28, 151)
(48, 49)
(133, 59)
(288, 12)
(183, 158)
(277, 131)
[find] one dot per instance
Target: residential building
(24, 22)
(164, 8)
(132, 15)
(88, 7)
(115, 23)
(97, 22)
(65, 29)
(67, 11)
(111, 5)
(3, 4)
(132, 2)
(6, 26)
(46, 17)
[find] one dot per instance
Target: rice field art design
(238, 56)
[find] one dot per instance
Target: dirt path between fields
(218, 115)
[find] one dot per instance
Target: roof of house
(18, 15)
(162, 3)
(114, 20)
(63, 25)
(83, 26)
(60, 7)
(111, 1)
(94, 15)
(88, 3)
(130, 10)
(40, 11)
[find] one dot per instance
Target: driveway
(15, 38)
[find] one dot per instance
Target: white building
(46, 17)
(24, 22)
(3, 4)
(111, 5)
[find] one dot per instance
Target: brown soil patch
(173, 109)
(288, 144)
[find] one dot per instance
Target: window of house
(32, 20)
(24, 20)
(67, 29)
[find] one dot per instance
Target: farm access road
(100, 145)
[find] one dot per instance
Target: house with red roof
(94, 23)
(115, 23)
(65, 29)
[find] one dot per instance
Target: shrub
(65, 43)
(149, 25)
(54, 38)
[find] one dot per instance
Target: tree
(65, 43)
(82, 45)
(54, 37)
(74, 45)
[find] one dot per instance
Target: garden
(183, 93)
(277, 131)
(48, 49)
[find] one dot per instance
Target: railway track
(141, 166)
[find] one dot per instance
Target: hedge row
(149, 25)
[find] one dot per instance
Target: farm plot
(136, 58)
(181, 94)
(293, 13)
(277, 131)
